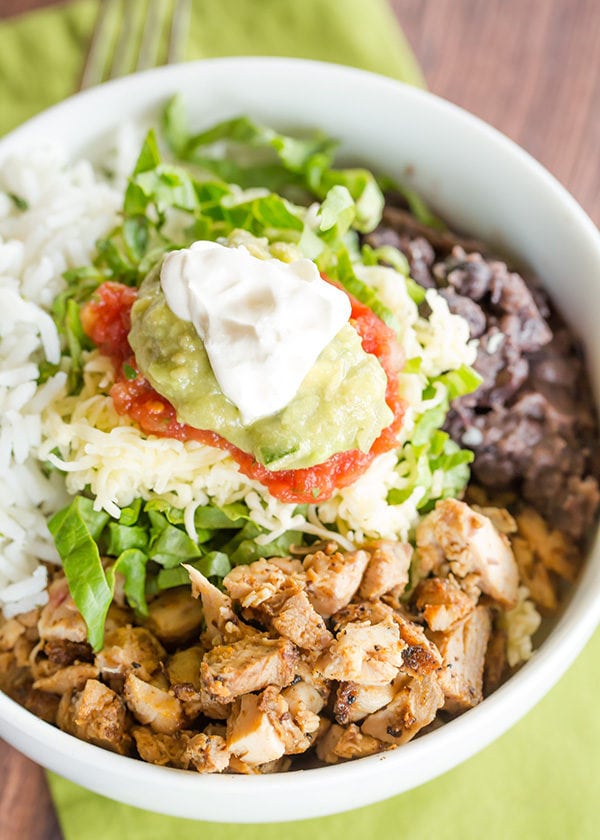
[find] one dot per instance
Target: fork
(130, 35)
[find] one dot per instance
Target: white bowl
(487, 186)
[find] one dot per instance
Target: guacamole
(339, 406)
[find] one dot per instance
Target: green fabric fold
(42, 53)
(537, 782)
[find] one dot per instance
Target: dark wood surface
(529, 67)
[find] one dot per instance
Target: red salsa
(106, 319)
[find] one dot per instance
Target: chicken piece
(535, 575)
(368, 654)
(42, 705)
(471, 544)
(371, 611)
(10, 630)
(174, 616)
(290, 565)
(262, 587)
(463, 650)
(556, 551)
(299, 622)
(306, 697)
(160, 748)
(62, 652)
(15, 680)
(304, 703)
(98, 715)
(251, 735)
(184, 666)
(60, 618)
(354, 702)
(153, 706)
(183, 669)
(295, 739)
(207, 753)
(342, 742)
(495, 662)
(442, 602)
(128, 649)
(250, 664)
(222, 624)
(388, 568)
(501, 519)
(413, 707)
(72, 678)
(332, 580)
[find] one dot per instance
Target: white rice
(68, 209)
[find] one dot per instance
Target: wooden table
(529, 67)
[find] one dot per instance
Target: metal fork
(135, 35)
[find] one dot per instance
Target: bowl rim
(457, 739)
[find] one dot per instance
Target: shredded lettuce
(146, 546)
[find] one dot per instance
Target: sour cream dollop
(263, 323)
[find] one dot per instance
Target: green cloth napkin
(540, 781)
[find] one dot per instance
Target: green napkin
(41, 54)
(537, 782)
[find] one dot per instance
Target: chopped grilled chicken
(295, 738)
(388, 568)
(174, 616)
(239, 767)
(128, 649)
(42, 705)
(501, 519)
(10, 630)
(183, 669)
(442, 602)
(62, 652)
(247, 665)
(98, 715)
(71, 678)
(342, 742)
(160, 748)
(535, 575)
(222, 624)
(251, 735)
(372, 611)
(354, 702)
(471, 544)
(60, 618)
(153, 706)
(184, 666)
(207, 753)
(556, 551)
(272, 592)
(304, 703)
(463, 649)
(413, 707)
(261, 587)
(419, 656)
(368, 654)
(333, 579)
(299, 622)
(289, 565)
(495, 662)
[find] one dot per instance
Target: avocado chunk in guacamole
(339, 406)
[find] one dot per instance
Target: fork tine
(97, 55)
(123, 57)
(152, 35)
(179, 30)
